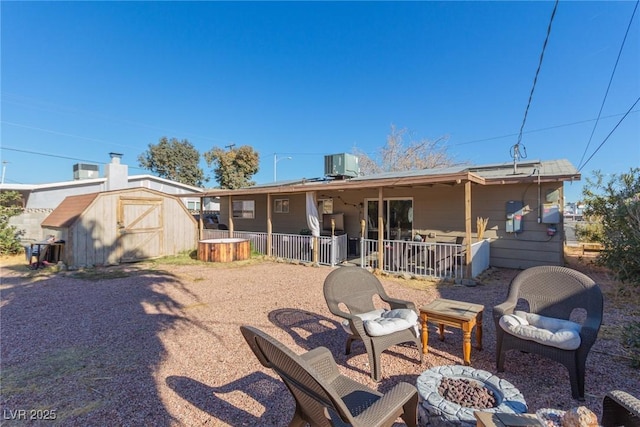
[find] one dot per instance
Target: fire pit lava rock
(435, 410)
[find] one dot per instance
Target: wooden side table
(463, 315)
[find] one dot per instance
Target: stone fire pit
(435, 410)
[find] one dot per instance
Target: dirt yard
(158, 344)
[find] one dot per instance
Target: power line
(56, 132)
(322, 154)
(610, 133)
(57, 156)
(515, 148)
(539, 130)
(70, 110)
(595, 125)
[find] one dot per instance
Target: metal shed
(119, 226)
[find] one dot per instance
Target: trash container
(55, 251)
(28, 254)
(354, 246)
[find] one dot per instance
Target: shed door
(140, 228)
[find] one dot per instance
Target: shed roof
(69, 210)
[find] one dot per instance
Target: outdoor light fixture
(275, 165)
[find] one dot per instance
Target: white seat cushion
(375, 314)
(558, 333)
(383, 322)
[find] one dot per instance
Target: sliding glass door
(397, 215)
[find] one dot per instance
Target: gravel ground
(160, 345)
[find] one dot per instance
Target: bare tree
(402, 152)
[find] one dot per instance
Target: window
(281, 205)
(325, 206)
(193, 206)
(244, 209)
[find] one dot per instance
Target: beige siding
(258, 223)
(518, 250)
(94, 234)
(180, 233)
(296, 219)
(94, 238)
(291, 222)
(351, 205)
(439, 209)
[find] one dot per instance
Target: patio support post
(230, 216)
(363, 225)
(467, 229)
(269, 225)
(333, 242)
(316, 249)
(201, 219)
(380, 230)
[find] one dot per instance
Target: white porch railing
(331, 250)
(442, 260)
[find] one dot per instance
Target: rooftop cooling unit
(341, 166)
(85, 171)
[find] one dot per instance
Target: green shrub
(9, 235)
(591, 231)
(631, 341)
(614, 207)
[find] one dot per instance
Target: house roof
(497, 173)
(69, 210)
(559, 170)
(52, 185)
(84, 182)
(186, 187)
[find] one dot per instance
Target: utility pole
(230, 146)
(275, 165)
(4, 169)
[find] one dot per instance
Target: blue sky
(303, 80)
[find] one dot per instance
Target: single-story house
(521, 205)
(39, 200)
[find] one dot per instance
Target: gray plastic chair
(355, 288)
(553, 291)
(323, 396)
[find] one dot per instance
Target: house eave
(523, 179)
(347, 184)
